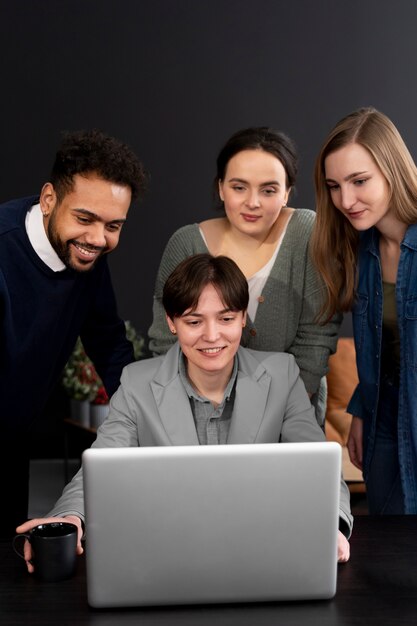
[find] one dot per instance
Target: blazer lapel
(173, 403)
(252, 390)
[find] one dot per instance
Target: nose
(253, 200)
(347, 197)
(96, 235)
(211, 331)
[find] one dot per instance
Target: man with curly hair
(55, 286)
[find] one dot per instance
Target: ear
(48, 199)
(245, 314)
(171, 325)
(287, 195)
(220, 184)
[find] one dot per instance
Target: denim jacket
(367, 329)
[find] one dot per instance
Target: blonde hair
(334, 242)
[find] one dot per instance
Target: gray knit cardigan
(291, 299)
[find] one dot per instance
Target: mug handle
(15, 538)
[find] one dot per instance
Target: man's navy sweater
(42, 313)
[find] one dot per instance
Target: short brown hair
(184, 285)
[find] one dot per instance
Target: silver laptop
(201, 524)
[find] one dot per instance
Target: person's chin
(81, 266)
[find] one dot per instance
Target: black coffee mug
(54, 547)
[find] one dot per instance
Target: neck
(251, 243)
(211, 385)
(392, 231)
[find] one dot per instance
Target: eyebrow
(242, 180)
(97, 217)
(347, 178)
(228, 310)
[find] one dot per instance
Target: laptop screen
(232, 523)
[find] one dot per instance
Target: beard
(63, 249)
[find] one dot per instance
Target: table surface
(377, 586)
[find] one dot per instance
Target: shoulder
(12, 212)
(275, 363)
(186, 233)
(142, 371)
(183, 242)
(297, 235)
(303, 218)
(186, 241)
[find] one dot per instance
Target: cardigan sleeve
(313, 342)
(184, 242)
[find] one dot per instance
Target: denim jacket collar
(369, 239)
(410, 239)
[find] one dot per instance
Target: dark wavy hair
(258, 138)
(183, 287)
(91, 151)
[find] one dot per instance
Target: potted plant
(88, 397)
(81, 382)
(99, 408)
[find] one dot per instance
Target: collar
(39, 239)
(370, 239)
(410, 237)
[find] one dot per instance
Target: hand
(27, 526)
(343, 548)
(355, 442)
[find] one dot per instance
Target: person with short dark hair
(207, 389)
(269, 241)
(55, 286)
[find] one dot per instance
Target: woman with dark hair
(207, 389)
(256, 170)
(365, 246)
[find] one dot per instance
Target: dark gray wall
(174, 78)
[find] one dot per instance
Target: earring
(284, 205)
(173, 331)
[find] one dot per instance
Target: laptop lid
(200, 524)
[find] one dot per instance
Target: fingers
(27, 526)
(343, 548)
(353, 454)
(355, 443)
(73, 519)
(31, 523)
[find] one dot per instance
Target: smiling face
(87, 222)
(357, 186)
(209, 335)
(254, 191)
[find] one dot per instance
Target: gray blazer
(151, 408)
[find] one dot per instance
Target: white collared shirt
(39, 239)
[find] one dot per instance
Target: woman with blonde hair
(365, 246)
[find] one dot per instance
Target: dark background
(174, 78)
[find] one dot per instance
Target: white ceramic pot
(80, 411)
(98, 413)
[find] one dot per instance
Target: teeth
(84, 251)
(211, 350)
